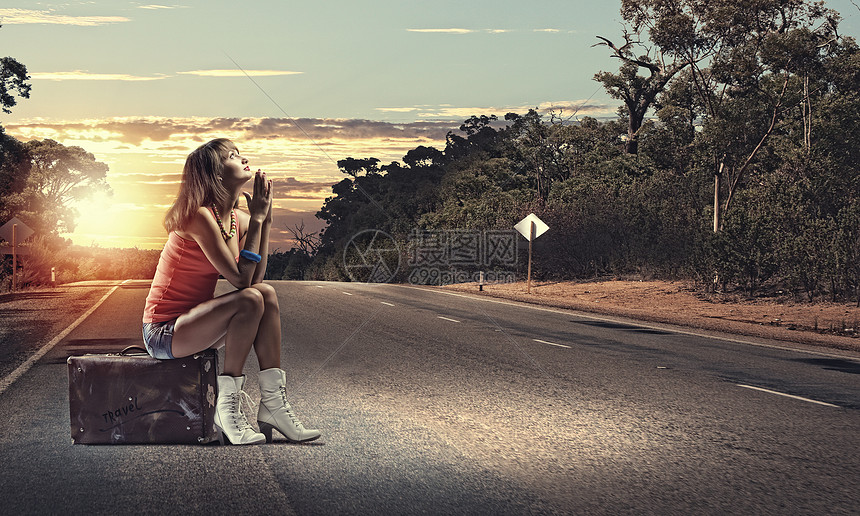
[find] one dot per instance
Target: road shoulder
(698, 315)
(32, 318)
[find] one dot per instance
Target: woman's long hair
(201, 183)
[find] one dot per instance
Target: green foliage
(680, 36)
(14, 172)
(291, 265)
(631, 219)
(13, 81)
(746, 250)
(791, 231)
(845, 248)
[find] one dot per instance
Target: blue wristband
(254, 257)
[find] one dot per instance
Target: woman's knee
(251, 301)
(270, 297)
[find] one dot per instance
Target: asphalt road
(439, 403)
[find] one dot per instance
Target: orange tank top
(184, 279)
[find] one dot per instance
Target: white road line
(551, 343)
(447, 319)
(319, 286)
(786, 395)
(384, 303)
(631, 320)
(347, 293)
(23, 368)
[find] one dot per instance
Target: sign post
(531, 227)
(13, 231)
(531, 239)
(14, 257)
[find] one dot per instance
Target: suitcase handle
(126, 350)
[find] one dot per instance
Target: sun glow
(107, 222)
(146, 157)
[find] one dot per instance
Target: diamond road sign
(23, 232)
(524, 228)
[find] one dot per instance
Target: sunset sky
(141, 85)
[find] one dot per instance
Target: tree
(59, 176)
(742, 56)
(308, 243)
(422, 156)
(14, 162)
(548, 152)
(769, 49)
(480, 138)
(13, 78)
(679, 39)
(14, 171)
(354, 167)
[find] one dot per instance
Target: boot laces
(240, 420)
(288, 408)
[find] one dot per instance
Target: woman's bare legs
(233, 317)
(238, 320)
(267, 343)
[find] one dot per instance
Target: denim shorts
(158, 339)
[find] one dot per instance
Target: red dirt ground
(833, 325)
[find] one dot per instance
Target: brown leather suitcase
(130, 397)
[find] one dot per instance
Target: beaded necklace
(221, 225)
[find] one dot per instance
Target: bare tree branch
(621, 54)
(308, 242)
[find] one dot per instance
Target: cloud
(166, 185)
(443, 31)
(291, 184)
(398, 109)
(195, 130)
(238, 73)
(460, 31)
(344, 129)
(131, 131)
(146, 178)
(29, 16)
(81, 75)
(470, 31)
(181, 135)
(458, 114)
(156, 6)
(569, 107)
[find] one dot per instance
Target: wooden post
(14, 256)
(531, 239)
(718, 217)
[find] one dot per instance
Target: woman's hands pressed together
(260, 205)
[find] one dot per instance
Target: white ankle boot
(276, 413)
(229, 418)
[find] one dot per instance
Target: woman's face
(236, 169)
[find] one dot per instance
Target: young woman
(208, 236)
